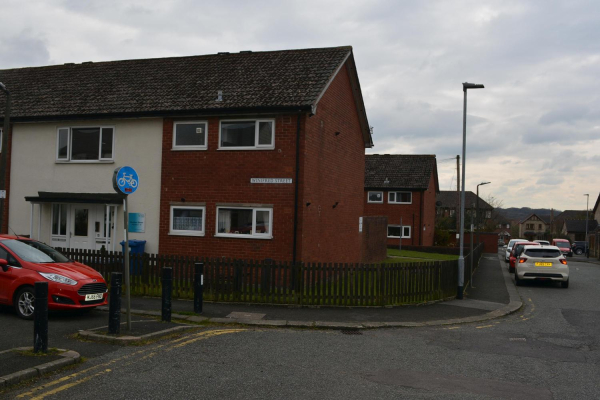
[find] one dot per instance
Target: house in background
(558, 222)
(448, 205)
(534, 227)
(575, 229)
(403, 188)
(247, 155)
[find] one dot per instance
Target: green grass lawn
(397, 256)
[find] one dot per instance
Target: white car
(541, 262)
(509, 247)
(543, 242)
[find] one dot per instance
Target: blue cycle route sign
(125, 180)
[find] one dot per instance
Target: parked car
(579, 247)
(71, 285)
(542, 263)
(516, 251)
(543, 242)
(509, 247)
(564, 246)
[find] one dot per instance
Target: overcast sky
(534, 131)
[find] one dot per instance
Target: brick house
(449, 205)
(403, 188)
(248, 155)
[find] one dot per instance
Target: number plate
(543, 264)
(97, 296)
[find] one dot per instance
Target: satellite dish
(438, 203)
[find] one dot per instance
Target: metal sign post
(125, 181)
(401, 232)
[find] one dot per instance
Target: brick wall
(223, 176)
(429, 213)
(333, 173)
(4, 227)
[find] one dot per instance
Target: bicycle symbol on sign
(128, 179)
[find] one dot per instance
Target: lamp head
(467, 85)
(3, 87)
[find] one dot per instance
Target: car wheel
(24, 303)
(579, 252)
(518, 282)
(564, 284)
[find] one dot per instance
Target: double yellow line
(87, 374)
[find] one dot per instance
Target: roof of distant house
(571, 214)
(268, 81)
(544, 218)
(578, 225)
(596, 205)
(400, 171)
(449, 199)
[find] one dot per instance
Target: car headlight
(59, 279)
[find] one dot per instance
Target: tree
(497, 218)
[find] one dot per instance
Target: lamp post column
(4, 152)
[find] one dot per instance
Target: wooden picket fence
(340, 284)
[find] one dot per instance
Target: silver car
(543, 263)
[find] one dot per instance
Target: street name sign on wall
(270, 180)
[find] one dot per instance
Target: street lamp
(4, 151)
(478, 218)
(587, 207)
(461, 258)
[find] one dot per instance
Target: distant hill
(520, 214)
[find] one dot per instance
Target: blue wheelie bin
(136, 247)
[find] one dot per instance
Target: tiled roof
(399, 171)
(290, 79)
(571, 214)
(544, 218)
(578, 225)
(449, 199)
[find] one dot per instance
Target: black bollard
(40, 315)
(167, 289)
(114, 307)
(198, 286)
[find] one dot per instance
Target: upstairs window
(400, 197)
(85, 144)
(190, 135)
(375, 197)
(247, 134)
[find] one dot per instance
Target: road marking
(484, 326)
(167, 347)
(453, 327)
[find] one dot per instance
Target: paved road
(548, 350)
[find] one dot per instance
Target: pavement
(491, 295)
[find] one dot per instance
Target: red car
(71, 285)
(516, 252)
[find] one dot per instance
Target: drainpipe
(421, 220)
(294, 250)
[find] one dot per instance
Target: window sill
(240, 236)
(393, 202)
(197, 234)
(246, 148)
(86, 162)
(190, 148)
(375, 202)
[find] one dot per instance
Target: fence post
(198, 286)
(40, 315)
(114, 307)
(167, 289)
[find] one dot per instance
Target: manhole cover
(351, 332)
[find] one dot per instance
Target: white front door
(81, 227)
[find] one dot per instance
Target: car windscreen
(35, 252)
(543, 253)
(564, 245)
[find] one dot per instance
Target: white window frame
(403, 228)
(70, 140)
(194, 147)
(256, 126)
(187, 232)
(369, 197)
(254, 235)
(396, 196)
